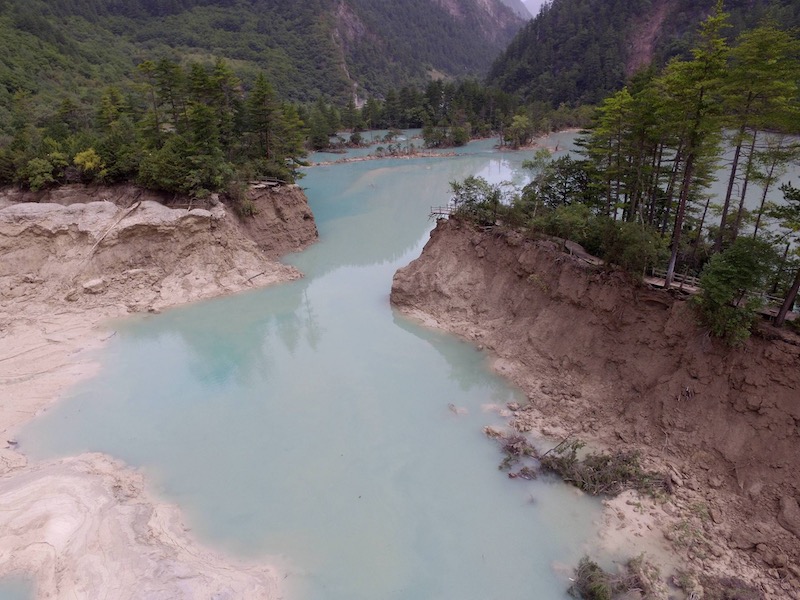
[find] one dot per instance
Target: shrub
(729, 283)
(591, 582)
(38, 174)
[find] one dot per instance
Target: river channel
(311, 422)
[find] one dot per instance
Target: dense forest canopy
(56, 48)
(579, 51)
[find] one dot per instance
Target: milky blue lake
(310, 420)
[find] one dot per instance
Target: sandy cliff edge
(68, 263)
(621, 365)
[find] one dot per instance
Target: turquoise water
(311, 421)
(14, 588)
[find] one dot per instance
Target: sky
(534, 6)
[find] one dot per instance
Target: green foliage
(38, 173)
(562, 182)
(579, 51)
(592, 582)
(306, 49)
(633, 247)
(422, 36)
(570, 221)
(90, 165)
(730, 284)
(478, 200)
(184, 130)
(520, 132)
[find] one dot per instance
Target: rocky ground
(623, 366)
(70, 260)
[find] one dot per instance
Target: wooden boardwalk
(691, 285)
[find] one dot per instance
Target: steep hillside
(578, 51)
(71, 48)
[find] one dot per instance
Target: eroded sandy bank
(623, 366)
(88, 524)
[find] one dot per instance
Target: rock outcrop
(144, 254)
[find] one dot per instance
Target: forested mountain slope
(55, 49)
(578, 51)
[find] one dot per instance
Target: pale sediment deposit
(86, 528)
(69, 262)
(622, 366)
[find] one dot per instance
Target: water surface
(15, 588)
(310, 420)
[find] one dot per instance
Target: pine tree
(692, 86)
(265, 116)
(759, 90)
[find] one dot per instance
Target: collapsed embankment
(70, 259)
(613, 362)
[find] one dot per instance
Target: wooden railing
(266, 182)
(441, 212)
(682, 278)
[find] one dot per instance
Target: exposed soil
(282, 222)
(70, 260)
(645, 34)
(623, 366)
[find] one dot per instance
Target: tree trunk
(653, 187)
(729, 192)
(747, 172)
(676, 232)
(767, 184)
(788, 302)
(670, 192)
(699, 235)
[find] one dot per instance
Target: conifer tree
(692, 86)
(759, 91)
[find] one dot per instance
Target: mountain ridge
(70, 48)
(579, 51)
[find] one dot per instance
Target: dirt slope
(621, 365)
(282, 222)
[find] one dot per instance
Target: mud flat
(70, 260)
(622, 366)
